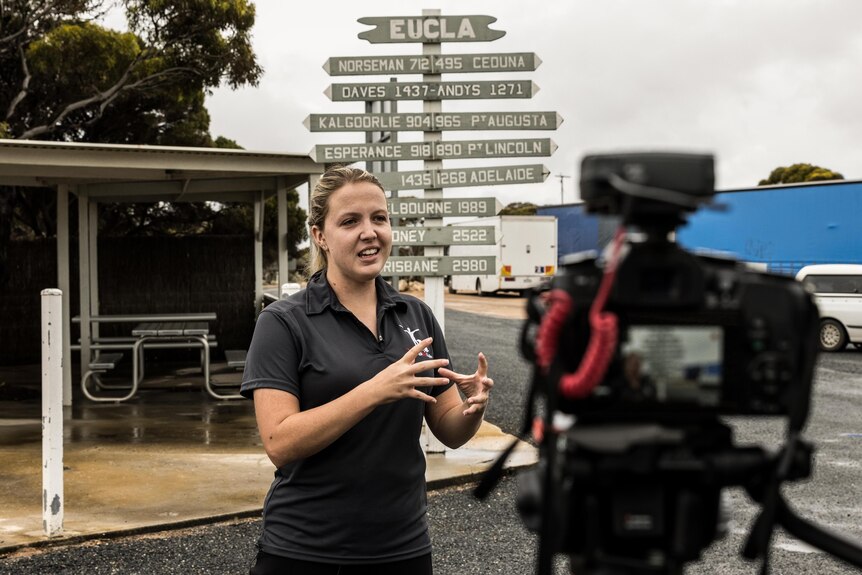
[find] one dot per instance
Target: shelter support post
(84, 275)
(65, 283)
(281, 190)
(93, 245)
(258, 251)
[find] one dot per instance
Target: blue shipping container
(784, 227)
(578, 231)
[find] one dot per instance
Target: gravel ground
(469, 537)
(486, 537)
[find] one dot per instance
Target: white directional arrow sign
(440, 150)
(463, 177)
(434, 64)
(433, 122)
(443, 235)
(439, 265)
(443, 207)
(431, 90)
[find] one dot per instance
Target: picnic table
(173, 330)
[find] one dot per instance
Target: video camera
(695, 336)
(637, 354)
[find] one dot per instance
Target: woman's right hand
(399, 380)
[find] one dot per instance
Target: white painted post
(52, 412)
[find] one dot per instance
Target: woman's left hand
(475, 386)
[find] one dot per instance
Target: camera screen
(673, 364)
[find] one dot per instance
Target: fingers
(473, 409)
(488, 383)
(479, 401)
(428, 381)
(414, 351)
(426, 365)
(423, 396)
(476, 403)
(449, 374)
(482, 371)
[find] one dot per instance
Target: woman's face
(356, 234)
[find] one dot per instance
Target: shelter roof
(125, 173)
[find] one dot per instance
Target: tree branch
(40, 10)
(110, 93)
(149, 81)
(25, 85)
(8, 39)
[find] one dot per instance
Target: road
(479, 537)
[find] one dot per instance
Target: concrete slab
(170, 457)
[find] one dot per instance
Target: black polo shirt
(362, 499)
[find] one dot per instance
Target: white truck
(526, 252)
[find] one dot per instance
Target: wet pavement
(171, 456)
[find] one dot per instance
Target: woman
(342, 374)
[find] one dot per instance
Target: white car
(837, 290)
(289, 289)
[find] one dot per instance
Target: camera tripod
(645, 499)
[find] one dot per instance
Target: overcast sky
(759, 84)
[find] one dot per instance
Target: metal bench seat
(131, 339)
(102, 363)
(146, 345)
(106, 361)
(235, 358)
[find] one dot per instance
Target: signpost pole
(392, 166)
(433, 284)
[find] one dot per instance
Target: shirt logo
(410, 332)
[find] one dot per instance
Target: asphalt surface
(478, 537)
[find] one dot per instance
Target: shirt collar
(319, 295)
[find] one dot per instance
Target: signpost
(440, 64)
(463, 177)
(442, 207)
(443, 236)
(438, 266)
(406, 122)
(364, 92)
(442, 150)
(432, 29)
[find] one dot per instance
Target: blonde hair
(333, 180)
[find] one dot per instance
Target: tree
(799, 173)
(61, 72)
(519, 209)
